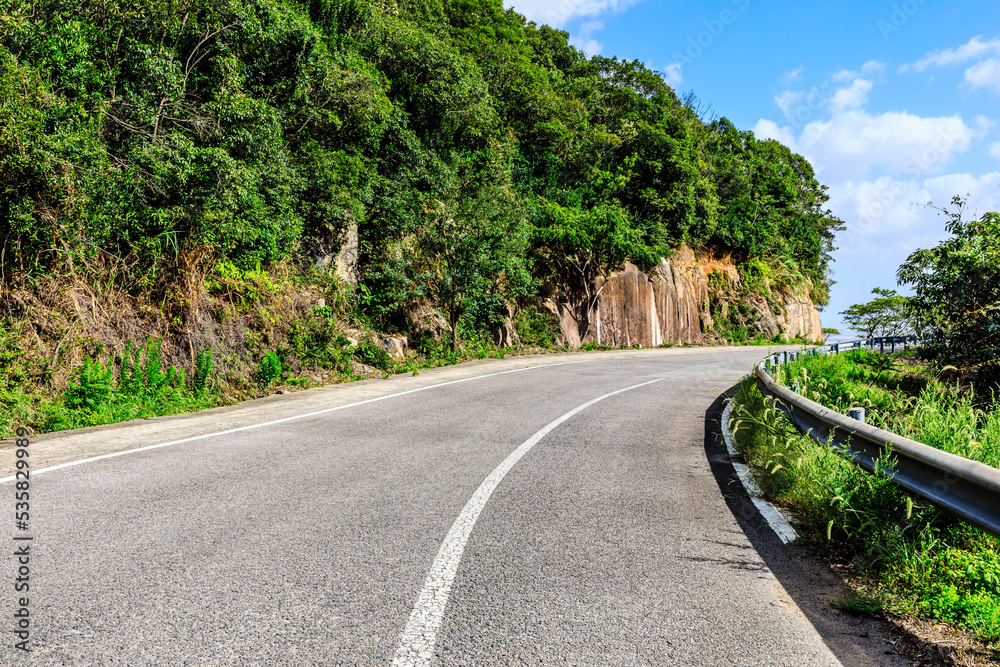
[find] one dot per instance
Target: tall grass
(910, 558)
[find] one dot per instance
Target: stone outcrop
(671, 304)
(799, 317)
(339, 248)
(347, 258)
(397, 346)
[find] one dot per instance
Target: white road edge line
(773, 517)
(147, 448)
(418, 640)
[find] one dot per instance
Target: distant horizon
(894, 103)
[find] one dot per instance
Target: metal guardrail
(968, 489)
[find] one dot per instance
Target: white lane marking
(70, 464)
(416, 644)
(773, 517)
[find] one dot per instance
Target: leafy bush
(373, 353)
(92, 388)
(202, 372)
(131, 386)
(315, 341)
(268, 370)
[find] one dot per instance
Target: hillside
(183, 176)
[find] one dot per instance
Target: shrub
(92, 387)
(370, 351)
(269, 369)
(912, 558)
(537, 328)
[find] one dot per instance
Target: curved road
(311, 541)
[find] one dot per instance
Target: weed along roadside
(907, 557)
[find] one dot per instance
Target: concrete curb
(773, 517)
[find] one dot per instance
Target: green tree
(585, 246)
(957, 294)
(885, 315)
(472, 250)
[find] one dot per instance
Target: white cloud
(557, 13)
(985, 75)
(583, 39)
(793, 75)
(768, 129)
(887, 219)
(971, 50)
(673, 74)
(873, 67)
(591, 47)
(884, 166)
(889, 213)
(852, 142)
(853, 97)
(788, 101)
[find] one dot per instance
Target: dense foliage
(957, 295)
(477, 152)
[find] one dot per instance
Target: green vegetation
(469, 145)
(133, 385)
(888, 314)
(957, 296)
(909, 557)
(537, 328)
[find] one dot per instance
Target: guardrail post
(858, 414)
(881, 345)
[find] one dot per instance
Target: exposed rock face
(339, 248)
(799, 317)
(667, 305)
(670, 304)
(347, 258)
(505, 333)
(424, 321)
(396, 346)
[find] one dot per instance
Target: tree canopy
(888, 314)
(133, 132)
(956, 298)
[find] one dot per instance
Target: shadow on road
(808, 581)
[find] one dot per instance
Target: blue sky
(895, 103)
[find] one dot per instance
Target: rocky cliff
(673, 303)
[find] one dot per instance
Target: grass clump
(909, 557)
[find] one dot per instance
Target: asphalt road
(308, 542)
